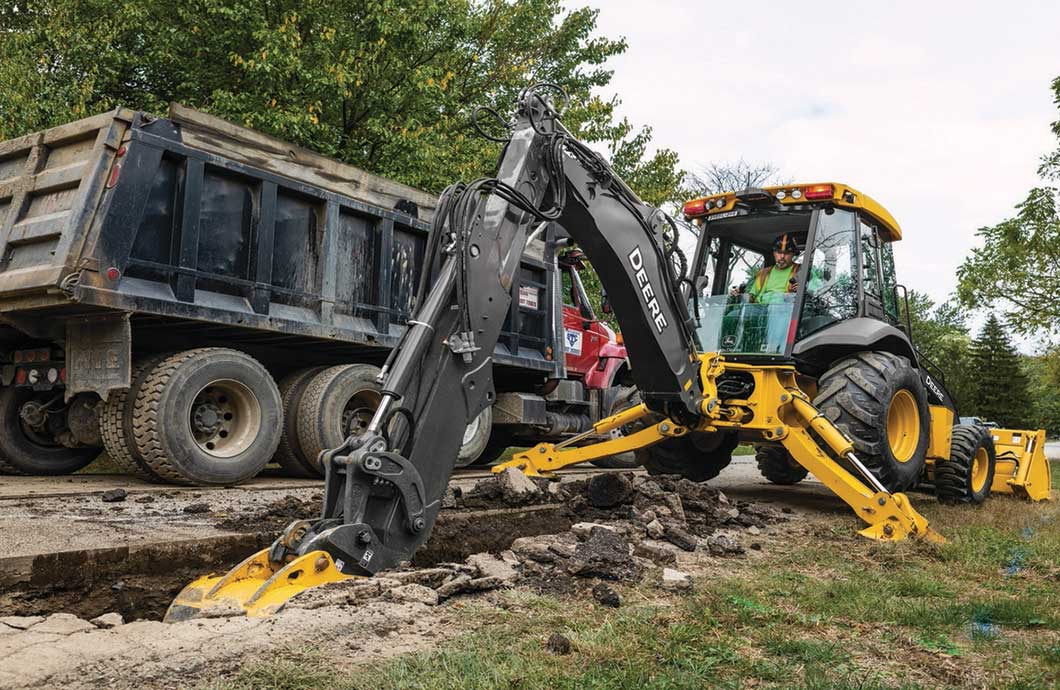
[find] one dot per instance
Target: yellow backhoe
(807, 360)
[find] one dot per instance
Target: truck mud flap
(98, 354)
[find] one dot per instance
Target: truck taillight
(114, 173)
(62, 375)
(20, 376)
(819, 191)
(695, 208)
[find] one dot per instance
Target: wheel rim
(225, 418)
(903, 426)
(980, 469)
(39, 435)
(358, 412)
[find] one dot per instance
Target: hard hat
(786, 243)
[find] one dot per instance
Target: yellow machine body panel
(816, 193)
(1022, 467)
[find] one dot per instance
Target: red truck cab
(594, 353)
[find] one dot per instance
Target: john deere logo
(728, 342)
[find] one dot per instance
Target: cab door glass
(831, 290)
(871, 276)
(890, 283)
(870, 261)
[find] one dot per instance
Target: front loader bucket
(1022, 468)
(255, 587)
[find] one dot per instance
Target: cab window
(832, 292)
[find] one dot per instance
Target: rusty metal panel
(98, 354)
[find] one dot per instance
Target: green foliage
(388, 85)
(1043, 373)
(941, 334)
(1001, 390)
(1016, 268)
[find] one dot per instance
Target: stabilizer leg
(890, 516)
(545, 458)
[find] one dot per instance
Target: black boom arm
(384, 487)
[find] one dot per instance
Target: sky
(938, 110)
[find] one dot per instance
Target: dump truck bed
(192, 226)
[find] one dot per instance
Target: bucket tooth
(255, 587)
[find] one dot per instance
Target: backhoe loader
(709, 373)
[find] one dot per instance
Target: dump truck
(711, 368)
(199, 298)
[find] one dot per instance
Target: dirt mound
(275, 516)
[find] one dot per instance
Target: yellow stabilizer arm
(545, 458)
(255, 587)
(890, 516)
(1022, 468)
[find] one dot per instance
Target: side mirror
(605, 305)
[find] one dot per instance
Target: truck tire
(698, 456)
(336, 402)
(626, 398)
(289, 454)
(208, 416)
(24, 450)
(116, 423)
(499, 441)
(476, 438)
(879, 401)
(776, 465)
(968, 473)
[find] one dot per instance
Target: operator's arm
(383, 488)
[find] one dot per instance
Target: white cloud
(939, 110)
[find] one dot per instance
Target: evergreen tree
(1000, 389)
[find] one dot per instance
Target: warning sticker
(528, 296)
(574, 341)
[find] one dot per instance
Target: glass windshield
(737, 325)
(832, 293)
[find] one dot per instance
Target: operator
(773, 282)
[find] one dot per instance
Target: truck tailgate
(50, 182)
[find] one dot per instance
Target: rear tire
(878, 400)
(207, 416)
(776, 465)
(25, 451)
(697, 456)
(499, 441)
(116, 423)
(289, 453)
(337, 401)
(967, 475)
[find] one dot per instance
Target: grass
(822, 609)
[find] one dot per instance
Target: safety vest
(763, 276)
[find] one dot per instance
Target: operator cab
(844, 268)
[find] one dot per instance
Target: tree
(1043, 373)
(388, 85)
(1016, 268)
(1000, 390)
(716, 178)
(941, 335)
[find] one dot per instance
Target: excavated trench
(140, 582)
